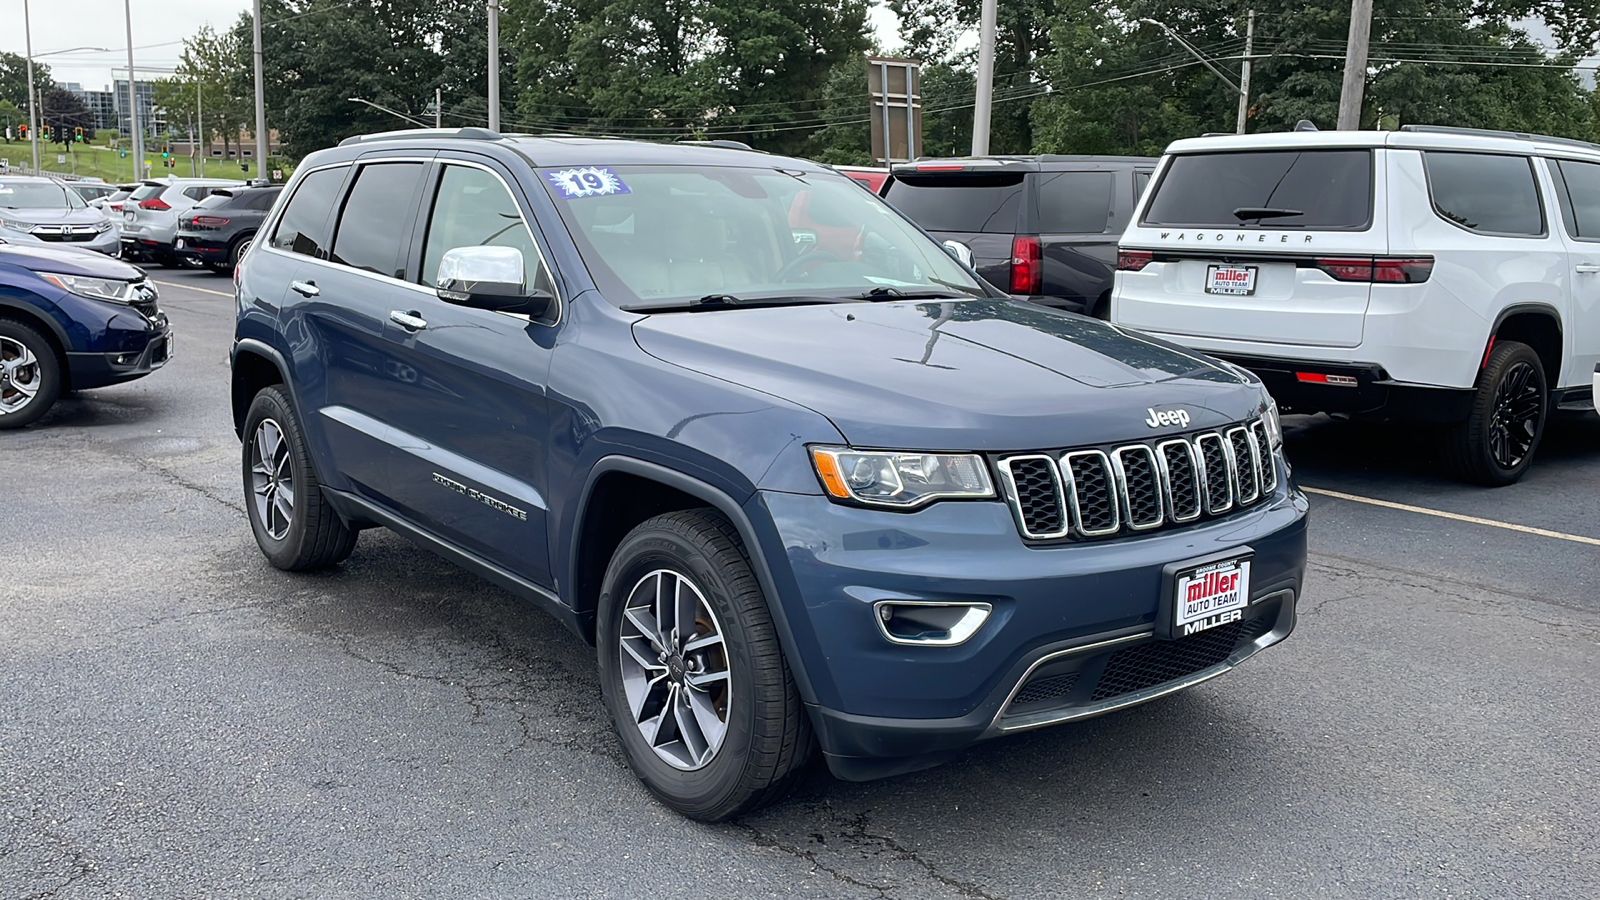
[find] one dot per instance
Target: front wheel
(697, 686)
(1497, 441)
(30, 375)
(294, 525)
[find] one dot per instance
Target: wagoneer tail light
(898, 479)
(1380, 269)
(1134, 260)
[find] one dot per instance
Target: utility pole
(33, 119)
(199, 128)
(494, 65)
(1355, 65)
(261, 104)
(133, 100)
(981, 110)
(1244, 70)
(438, 108)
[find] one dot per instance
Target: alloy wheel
(675, 669)
(1514, 424)
(272, 479)
(20, 375)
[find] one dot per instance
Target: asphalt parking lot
(178, 719)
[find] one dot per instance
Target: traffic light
(24, 132)
(244, 166)
(47, 132)
(77, 133)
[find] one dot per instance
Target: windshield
(658, 236)
(37, 195)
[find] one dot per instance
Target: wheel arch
(52, 331)
(1539, 326)
(255, 366)
(596, 536)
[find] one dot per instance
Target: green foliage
(62, 111)
(11, 117)
(14, 79)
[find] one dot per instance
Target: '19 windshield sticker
(589, 181)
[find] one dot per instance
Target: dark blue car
(72, 320)
(806, 481)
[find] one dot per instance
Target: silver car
(150, 215)
(37, 210)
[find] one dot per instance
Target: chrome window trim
(1112, 475)
(1196, 479)
(1255, 465)
(1122, 485)
(1008, 484)
(1206, 474)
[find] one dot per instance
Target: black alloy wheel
(1501, 433)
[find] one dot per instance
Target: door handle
(407, 320)
(305, 288)
(1586, 268)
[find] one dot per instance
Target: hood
(988, 375)
(61, 216)
(66, 261)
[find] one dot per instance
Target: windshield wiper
(888, 293)
(1264, 212)
(731, 301)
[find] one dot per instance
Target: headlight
(16, 226)
(93, 288)
(103, 226)
(1269, 416)
(900, 479)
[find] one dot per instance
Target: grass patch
(108, 164)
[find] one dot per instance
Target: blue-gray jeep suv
(806, 481)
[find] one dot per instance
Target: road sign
(277, 174)
(61, 159)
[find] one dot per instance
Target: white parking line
(177, 284)
(1404, 507)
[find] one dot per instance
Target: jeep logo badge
(1178, 417)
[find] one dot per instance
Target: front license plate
(1237, 281)
(1210, 595)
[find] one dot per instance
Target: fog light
(930, 623)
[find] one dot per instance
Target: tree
(214, 69)
(63, 112)
(11, 118)
(14, 79)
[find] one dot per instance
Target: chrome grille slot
(1094, 496)
(1217, 472)
(1138, 483)
(1245, 465)
(1268, 467)
(1033, 485)
(1181, 476)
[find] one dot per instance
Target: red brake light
(1382, 269)
(210, 221)
(1134, 260)
(1027, 265)
(155, 203)
(937, 167)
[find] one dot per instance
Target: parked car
(92, 191)
(150, 215)
(1445, 276)
(873, 179)
(807, 482)
(1042, 227)
(36, 210)
(113, 203)
(218, 230)
(70, 321)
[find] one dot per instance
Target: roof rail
(724, 144)
(1490, 132)
(470, 134)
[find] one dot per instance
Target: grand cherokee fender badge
(1178, 417)
(485, 499)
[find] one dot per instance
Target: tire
(30, 374)
(766, 742)
(239, 250)
(305, 533)
(1497, 441)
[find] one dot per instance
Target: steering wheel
(803, 263)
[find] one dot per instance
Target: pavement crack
(855, 826)
(762, 839)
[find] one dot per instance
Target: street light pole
(33, 120)
(133, 100)
(984, 105)
(494, 64)
(261, 102)
(385, 109)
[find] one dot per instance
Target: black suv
(1042, 227)
(217, 231)
(806, 481)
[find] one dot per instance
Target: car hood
(55, 216)
(66, 261)
(990, 375)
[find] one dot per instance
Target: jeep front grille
(1138, 487)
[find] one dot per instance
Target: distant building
(150, 122)
(102, 107)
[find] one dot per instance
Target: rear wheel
(1497, 441)
(697, 686)
(294, 525)
(30, 374)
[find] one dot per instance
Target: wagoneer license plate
(1210, 595)
(1236, 280)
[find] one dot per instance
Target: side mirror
(961, 252)
(491, 278)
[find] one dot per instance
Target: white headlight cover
(93, 288)
(15, 225)
(104, 225)
(1269, 416)
(900, 479)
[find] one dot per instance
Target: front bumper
(106, 242)
(1072, 625)
(139, 352)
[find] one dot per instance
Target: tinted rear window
(215, 200)
(960, 202)
(1329, 190)
(375, 217)
(146, 191)
(304, 226)
(1074, 202)
(1485, 193)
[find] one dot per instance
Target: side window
(1075, 202)
(262, 200)
(473, 209)
(1141, 181)
(375, 217)
(1485, 193)
(1582, 201)
(304, 226)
